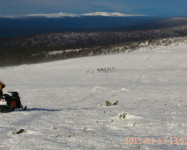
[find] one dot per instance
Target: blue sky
(147, 7)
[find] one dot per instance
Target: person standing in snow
(2, 85)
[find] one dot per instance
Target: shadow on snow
(43, 109)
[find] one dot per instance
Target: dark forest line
(35, 49)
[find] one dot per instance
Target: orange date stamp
(153, 140)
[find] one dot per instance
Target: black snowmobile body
(11, 102)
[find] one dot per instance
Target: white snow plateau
(67, 110)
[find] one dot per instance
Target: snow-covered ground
(66, 102)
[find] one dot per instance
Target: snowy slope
(66, 101)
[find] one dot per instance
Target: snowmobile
(11, 102)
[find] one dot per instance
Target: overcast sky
(146, 7)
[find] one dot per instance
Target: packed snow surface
(66, 102)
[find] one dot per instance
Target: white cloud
(117, 14)
(61, 14)
(58, 15)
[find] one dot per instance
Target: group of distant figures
(105, 69)
(102, 69)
